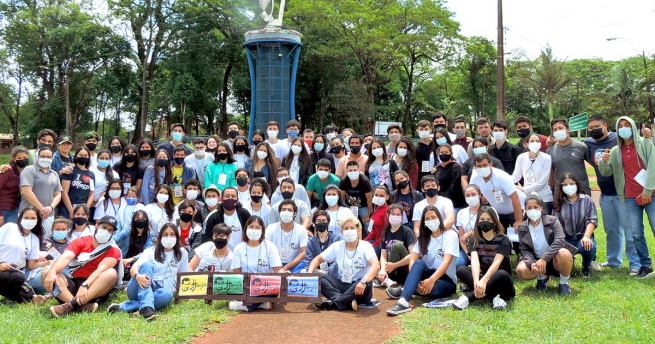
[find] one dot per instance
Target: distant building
(5, 143)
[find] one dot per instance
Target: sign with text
(261, 285)
(193, 285)
(578, 122)
(228, 284)
(303, 286)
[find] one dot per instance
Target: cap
(91, 135)
(110, 220)
(65, 139)
(211, 187)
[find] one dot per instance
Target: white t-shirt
(500, 184)
(100, 185)
(263, 211)
(279, 152)
(294, 169)
(232, 221)
(288, 244)
(88, 230)
(303, 210)
(112, 209)
(165, 274)
(466, 220)
(335, 218)
(209, 261)
(355, 263)
(16, 248)
(157, 217)
(444, 205)
(459, 155)
(126, 212)
(199, 165)
(260, 259)
(241, 159)
(446, 243)
(538, 239)
(535, 174)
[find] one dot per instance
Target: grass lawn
(4, 158)
(609, 307)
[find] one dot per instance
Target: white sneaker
(461, 303)
(595, 266)
(237, 306)
(634, 272)
(376, 283)
(389, 283)
(498, 303)
(265, 305)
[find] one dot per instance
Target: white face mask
(191, 195)
(353, 175)
(322, 174)
(211, 202)
(102, 236)
(296, 150)
(499, 135)
(350, 235)
(433, 225)
(560, 135)
(534, 146)
(331, 200)
(479, 150)
(377, 152)
(424, 134)
(484, 172)
(28, 224)
(534, 214)
(200, 154)
(262, 155)
(402, 152)
(330, 136)
(379, 201)
(114, 194)
(253, 234)
(570, 189)
(45, 162)
(272, 134)
(286, 216)
(473, 201)
(168, 242)
(394, 137)
(161, 198)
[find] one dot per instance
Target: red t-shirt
(184, 235)
(632, 164)
(85, 245)
(379, 220)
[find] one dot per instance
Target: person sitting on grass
(396, 243)
(431, 265)
(214, 255)
(544, 250)
(154, 275)
(51, 249)
(357, 266)
(321, 240)
(93, 271)
(490, 273)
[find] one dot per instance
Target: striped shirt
(575, 216)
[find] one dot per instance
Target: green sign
(578, 122)
(228, 284)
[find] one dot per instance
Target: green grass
(609, 307)
(4, 158)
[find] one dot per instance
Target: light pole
(500, 66)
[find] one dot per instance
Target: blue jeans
(149, 297)
(10, 215)
(442, 288)
(636, 216)
(587, 256)
(463, 259)
(615, 224)
(296, 269)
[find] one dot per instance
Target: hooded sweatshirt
(614, 167)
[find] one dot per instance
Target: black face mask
(437, 126)
(287, 194)
(233, 133)
(220, 243)
(336, 149)
(431, 193)
(186, 217)
(141, 223)
(130, 158)
(403, 184)
(596, 134)
(115, 149)
(242, 181)
(44, 145)
(486, 226)
(81, 160)
(444, 157)
(355, 149)
(179, 161)
(240, 148)
(256, 142)
(321, 227)
(367, 146)
(221, 156)
(210, 150)
(79, 221)
(144, 153)
(229, 204)
(91, 146)
(22, 163)
(523, 133)
(256, 199)
(162, 162)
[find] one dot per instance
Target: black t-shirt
(80, 187)
(450, 182)
(487, 251)
(130, 175)
(407, 202)
(356, 196)
(423, 153)
(404, 234)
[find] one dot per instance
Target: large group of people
(414, 218)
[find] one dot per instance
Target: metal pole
(500, 68)
(650, 103)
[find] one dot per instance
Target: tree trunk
(14, 121)
(224, 94)
(408, 95)
(69, 115)
(140, 127)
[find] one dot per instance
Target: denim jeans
(463, 259)
(587, 256)
(442, 288)
(636, 216)
(10, 215)
(296, 269)
(615, 224)
(152, 296)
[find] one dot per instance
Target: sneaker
(265, 305)
(461, 303)
(88, 308)
(61, 310)
(543, 283)
(398, 309)
(394, 292)
(237, 306)
(564, 289)
(498, 303)
(376, 283)
(39, 300)
(325, 304)
(114, 307)
(607, 265)
(585, 272)
(353, 305)
(645, 272)
(596, 267)
(389, 283)
(634, 272)
(148, 313)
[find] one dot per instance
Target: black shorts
(74, 285)
(550, 269)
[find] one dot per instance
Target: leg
(465, 275)
(444, 287)
(163, 297)
(624, 220)
(463, 259)
(414, 277)
(344, 300)
(636, 214)
(10, 215)
(524, 272)
(397, 253)
(613, 231)
(365, 297)
(296, 269)
(501, 284)
(133, 295)
(36, 283)
(102, 286)
(11, 286)
(146, 296)
(331, 287)
(563, 262)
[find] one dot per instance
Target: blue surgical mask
(131, 201)
(479, 150)
(103, 163)
(442, 141)
(293, 134)
(59, 235)
(319, 147)
(177, 136)
(625, 133)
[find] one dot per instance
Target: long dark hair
(168, 206)
(258, 183)
(325, 144)
(152, 148)
(136, 242)
(424, 233)
(75, 209)
(270, 161)
(371, 157)
(122, 167)
(443, 133)
(230, 155)
(109, 171)
(38, 229)
(120, 140)
(245, 141)
(498, 227)
(387, 227)
(83, 148)
(159, 248)
(340, 203)
(560, 195)
(409, 161)
(108, 199)
(303, 157)
(168, 173)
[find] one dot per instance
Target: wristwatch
(363, 280)
(85, 285)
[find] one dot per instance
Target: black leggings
(500, 283)
(13, 286)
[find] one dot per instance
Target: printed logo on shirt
(235, 229)
(598, 155)
(294, 246)
(81, 184)
(358, 264)
(262, 263)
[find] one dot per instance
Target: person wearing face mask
(212, 196)
(490, 274)
(243, 184)
(146, 153)
(484, 130)
(337, 149)
(91, 140)
(355, 155)
(356, 190)
(156, 175)
(190, 232)
(44, 138)
(229, 212)
(321, 150)
(90, 280)
(191, 193)
(78, 187)
(424, 148)
(178, 131)
(222, 171)
(544, 250)
(465, 223)
(128, 169)
(524, 131)
(254, 254)
(272, 131)
(19, 250)
(577, 214)
(103, 173)
(257, 202)
(568, 155)
(432, 270)
(81, 225)
(154, 276)
(131, 206)
(51, 249)
(406, 196)
(289, 237)
(10, 185)
(346, 133)
(135, 239)
(533, 167)
(288, 191)
(321, 240)
(214, 255)
(379, 218)
(440, 121)
(241, 151)
(112, 204)
(299, 191)
(181, 173)
(199, 160)
(232, 133)
(368, 139)
(460, 129)
(449, 174)
(63, 157)
(480, 146)
(162, 209)
(394, 132)
(379, 168)
(298, 162)
(356, 267)
(319, 181)
(330, 131)
(283, 147)
(441, 138)
(116, 145)
(334, 205)
(263, 164)
(431, 187)
(308, 138)
(41, 188)
(405, 158)
(396, 242)
(502, 150)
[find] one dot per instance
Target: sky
(574, 29)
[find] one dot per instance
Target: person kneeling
(544, 250)
(357, 265)
(154, 275)
(490, 274)
(94, 271)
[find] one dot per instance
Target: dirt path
(298, 322)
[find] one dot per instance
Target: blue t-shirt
(596, 149)
(82, 183)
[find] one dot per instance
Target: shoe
(585, 272)
(325, 304)
(353, 305)
(607, 265)
(265, 305)
(645, 272)
(61, 310)
(389, 283)
(596, 267)
(376, 283)
(39, 300)
(398, 309)
(564, 289)
(463, 288)
(114, 307)
(498, 303)
(237, 306)
(394, 292)
(148, 313)
(634, 272)
(88, 308)
(461, 303)
(543, 284)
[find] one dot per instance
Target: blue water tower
(273, 62)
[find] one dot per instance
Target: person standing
(568, 155)
(177, 135)
(10, 185)
(502, 149)
(41, 188)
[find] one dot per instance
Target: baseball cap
(110, 220)
(65, 139)
(211, 187)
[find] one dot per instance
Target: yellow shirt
(177, 185)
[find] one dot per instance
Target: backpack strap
(97, 252)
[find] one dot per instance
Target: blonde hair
(351, 218)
